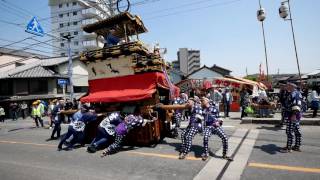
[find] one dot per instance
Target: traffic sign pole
(64, 92)
(68, 37)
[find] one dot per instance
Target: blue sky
(226, 31)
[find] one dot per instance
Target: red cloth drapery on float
(126, 88)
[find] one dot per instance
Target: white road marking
(215, 165)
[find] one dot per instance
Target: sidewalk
(306, 119)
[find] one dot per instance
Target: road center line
(26, 143)
(287, 168)
(170, 156)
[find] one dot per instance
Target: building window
(75, 13)
(76, 53)
(61, 25)
(60, 5)
(61, 34)
(74, 3)
(69, 33)
(63, 54)
(76, 43)
(68, 23)
(67, 4)
(62, 44)
(75, 33)
(39, 86)
(21, 87)
(75, 23)
(68, 14)
(6, 87)
(60, 15)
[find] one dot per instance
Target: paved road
(24, 154)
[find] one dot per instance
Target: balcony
(89, 35)
(91, 13)
(88, 21)
(90, 44)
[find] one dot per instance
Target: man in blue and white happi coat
(195, 126)
(106, 131)
(122, 129)
(77, 126)
(212, 125)
(293, 119)
(178, 114)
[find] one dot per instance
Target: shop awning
(125, 88)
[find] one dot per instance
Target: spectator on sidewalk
(57, 119)
(24, 109)
(75, 104)
(227, 101)
(216, 97)
(2, 114)
(14, 109)
(36, 113)
(50, 110)
(244, 101)
(68, 106)
(314, 102)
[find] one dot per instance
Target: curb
(261, 121)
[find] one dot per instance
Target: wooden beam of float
(173, 107)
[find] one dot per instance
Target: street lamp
(284, 11)
(261, 15)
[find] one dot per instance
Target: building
(188, 60)
(39, 80)
(68, 18)
(220, 70)
(205, 73)
(12, 58)
(176, 76)
(313, 78)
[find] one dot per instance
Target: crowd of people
(202, 114)
(110, 132)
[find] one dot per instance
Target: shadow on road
(269, 148)
(198, 150)
(270, 128)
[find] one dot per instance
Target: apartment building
(68, 18)
(188, 60)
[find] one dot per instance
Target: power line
(50, 35)
(48, 44)
(17, 7)
(28, 47)
(25, 43)
(193, 9)
(14, 8)
(11, 23)
(16, 42)
(36, 50)
(183, 5)
(12, 12)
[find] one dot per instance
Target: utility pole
(68, 38)
(284, 11)
(261, 18)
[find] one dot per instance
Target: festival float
(128, 75)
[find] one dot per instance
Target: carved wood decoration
(113, 67)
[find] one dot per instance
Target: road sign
(34, 27)
(62, 82)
